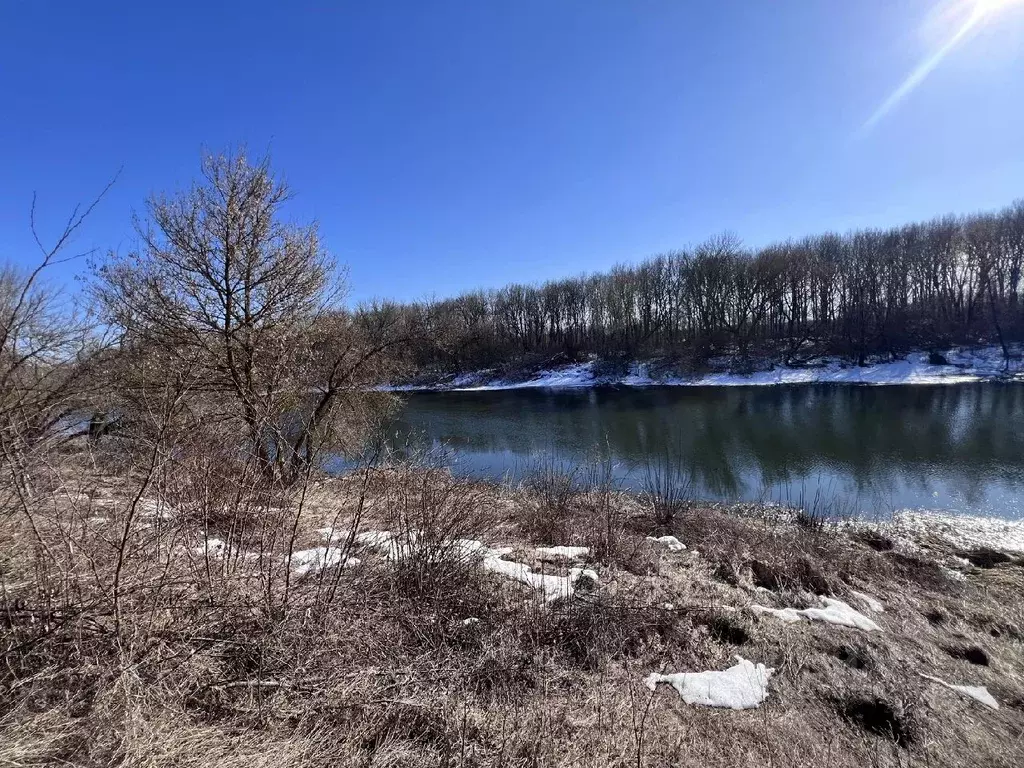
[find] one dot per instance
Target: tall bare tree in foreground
(247, 306)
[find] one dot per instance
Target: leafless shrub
(666, 490)
(601, 521)
(431, 512)
(553, 490)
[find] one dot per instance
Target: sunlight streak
(980, 11)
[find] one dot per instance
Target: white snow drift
(873, 604)
(552, 587)
(962, 531)
(977, 692)
(833, 611)
(742, 686)
(670, 542)
(966, 365)
(307, 561)
(562, 554)
(394, 547)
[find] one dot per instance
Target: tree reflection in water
(958, 447)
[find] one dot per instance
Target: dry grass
(203, 660)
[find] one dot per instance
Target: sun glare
(974, 13)
(986, 7)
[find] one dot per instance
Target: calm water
(866, 449)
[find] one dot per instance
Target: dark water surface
(869, 450)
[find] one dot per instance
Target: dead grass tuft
(425, 658)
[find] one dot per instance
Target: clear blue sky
(445, 146)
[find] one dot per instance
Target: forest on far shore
(928, 285)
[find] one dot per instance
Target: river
(861, 450)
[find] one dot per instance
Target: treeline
(952, 280)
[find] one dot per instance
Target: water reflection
(877, 448)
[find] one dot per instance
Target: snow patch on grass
(953, 575)
(154, 509)
(307, 561)
(561, 554)
(977, 692)
(387, 543)
(833, 611)
(212, 547)
(962, 531)
(476, 548)
(742, 686)
(671, 542)
(551, 587)
(873, 604)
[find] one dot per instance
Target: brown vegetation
(210, 656)
(168, 596)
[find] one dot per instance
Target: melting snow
(966, 365)
(569, 377)
(977, 692)
(552, 587)
(743, 686)
(212, 547)
(953, 575)
(395, 548)
(834, 612)
(673, 544)
(559, 554)
(873, 604)
(387, 543)
(963, 531)
(312, 560)
(153, 508)
(475, 548)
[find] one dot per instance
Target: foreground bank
(406, 617)
(954, 366)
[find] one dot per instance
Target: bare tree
(247, 304)
(952, 280)
(45, 349)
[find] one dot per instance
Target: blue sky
(445, 146)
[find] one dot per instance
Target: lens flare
(977, 13)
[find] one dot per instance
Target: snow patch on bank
(742, 686)
(552, 588)
(395, 547)
(670, 542)
(575, 376)
(307, 561)
(873, 604)
(154, 509)
(561, 554)
(977, 692)
(212, 547)
(476, 548)
(965, 365)
(833, 611)
(962, 531)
